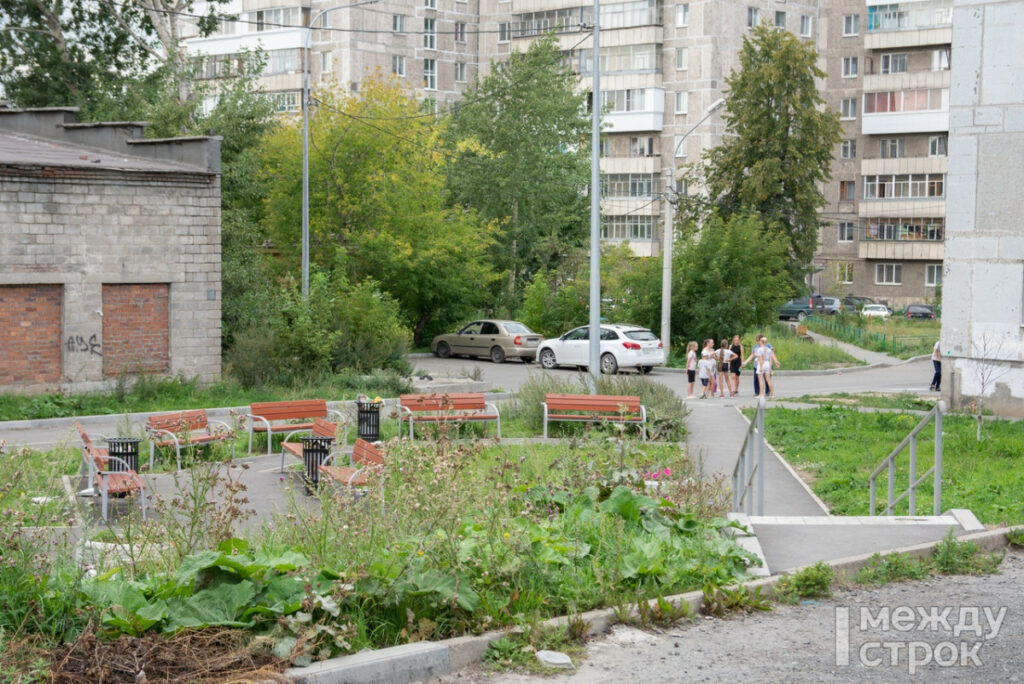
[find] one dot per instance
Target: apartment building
(888, 75)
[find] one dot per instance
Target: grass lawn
(839, 447)
(904, 400)
(793, 352)
(900, 337)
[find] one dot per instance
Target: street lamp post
(669, 234)
(595, 209)
(307, 49)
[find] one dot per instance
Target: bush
(665, 410)
(371, 332)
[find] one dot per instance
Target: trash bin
(126, 449)
(314, 453)
(368, 419)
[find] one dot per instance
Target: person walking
(755, 355)
(724, 363)
(937, 364)
(691, 367)
(768, 360)
(735, 365)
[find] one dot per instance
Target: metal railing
(889, 465)
(746, 498)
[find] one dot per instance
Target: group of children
(720, 368)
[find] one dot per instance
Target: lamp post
(669, 235)
(595, 209)
(307, 49)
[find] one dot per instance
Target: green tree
(377, 205)
(521, 159)
(729, 278)
(779, 142)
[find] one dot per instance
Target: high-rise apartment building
(888, 72)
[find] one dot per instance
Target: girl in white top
(691, 367)
(722, 358)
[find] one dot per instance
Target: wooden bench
(184, 428)
(365, 455)
(268, 416)
(594, 408)
(109, 482)
(321, 428)
(445, 408)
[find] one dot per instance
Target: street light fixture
(669, 234)
(306, 53)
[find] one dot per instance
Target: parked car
(919, 311)
(801, 307)
(496, 339)
(875, 311)
(832, 305)
(855, 303)
(622, 346)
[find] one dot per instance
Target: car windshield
(641, 335)
(514, 327)
(472, 329)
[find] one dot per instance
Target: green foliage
(779, 143)
(977, 476)
(901, 400)
(892, 567)
(954, 557)
(1016, 537)
(517, 650)
(730, 277)
(721, 601)
(518, 159)
(660, 612)
(896, 336)
(800, 353)
(814, 581)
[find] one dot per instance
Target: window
(629, 227)
(753, 17)
(888, 274)
(430, 4)
(940, 59)
(849, 67)
(922, 100)
(460, 72)
(682, 102)
(848, 149)
(281, 61)
(606, 147)
(848, 108)
(629, 185)
(504, 32)
(847, 191)
(806, 26)
(904, 185)
(460, 32)
(894, 63)
(845, 231)
(844, 272)
(285, 102)
(780, 20)
(633, 100)
(937, 146)
(641, 147)
(398, 23)
(683, 15)
(326, 63)
(890, 148)
(430, 74)
(644, 58)
(903, 229)
(272, 19)
(682, 58)
(932, 275)
(430, 34)
(680, 148)
(398, 65)
(851, 24)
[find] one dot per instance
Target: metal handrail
(889, 464)
(749, 465)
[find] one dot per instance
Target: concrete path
(865, 355)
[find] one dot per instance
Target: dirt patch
(204, 656)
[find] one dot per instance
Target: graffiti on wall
(77, 343)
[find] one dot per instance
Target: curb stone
(415, 662)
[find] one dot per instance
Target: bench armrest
(152, 432)
(229, 430)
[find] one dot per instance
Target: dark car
(920, 311)
(855, 303)
(802, 307)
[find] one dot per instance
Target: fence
(888, 465)
(746, 497)
(870, 339)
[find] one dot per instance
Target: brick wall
(30, 333)
(136, 329)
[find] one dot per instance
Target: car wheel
(801, 316)
(548, 360)
(609, 366)
(644, 370)
(497, 355)
(443, 350)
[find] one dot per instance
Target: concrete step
(788, 542)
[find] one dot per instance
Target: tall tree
(521, 158)
(377, 205)
(779, 142)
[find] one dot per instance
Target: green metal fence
(869, 339)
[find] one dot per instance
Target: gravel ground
(799, 643)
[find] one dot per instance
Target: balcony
(909, 24)
(898, 239)
(635, 110)
(919, 110)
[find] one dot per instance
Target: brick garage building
(109, 253)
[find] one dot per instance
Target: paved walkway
(865, 355)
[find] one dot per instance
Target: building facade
(888, 75)
(110, 253)
(983, 325)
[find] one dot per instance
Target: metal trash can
(368, 419)
(126, 449)
(314, 453)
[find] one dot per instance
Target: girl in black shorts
(734, 365)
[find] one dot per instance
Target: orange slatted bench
(279, 416)
(183, 428)
(466, 407)
(321, 428)
(363, 454)
(594, 408)
(110, 482)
